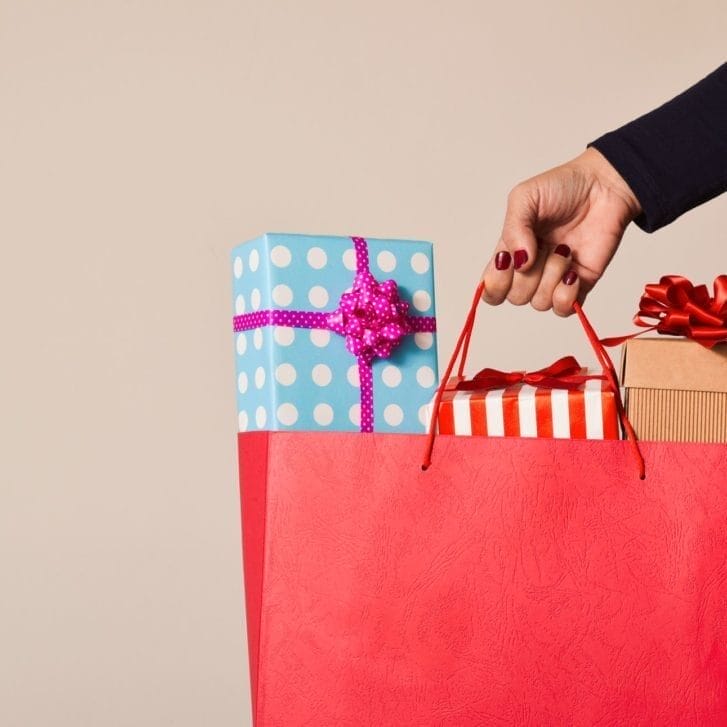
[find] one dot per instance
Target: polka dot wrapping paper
(294, 370)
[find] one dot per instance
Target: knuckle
(517, 193)
(491, 299)
(518, 298)
(541, 303)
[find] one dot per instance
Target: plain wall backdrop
(139, 141)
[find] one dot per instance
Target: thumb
(518, 234)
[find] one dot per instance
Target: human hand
(561, 230)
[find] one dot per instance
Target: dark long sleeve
(675, 157)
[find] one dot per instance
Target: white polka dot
(282, 295)
(320, 337)
(386, 261)
(391, 375)
(354, 414)
(424, 415)
(421, 300)
(241, 344)
(259, 377)
(323, 414)
(254, 260)
(280, 256)
(393, 415)
(242, 382)
(322, 375)
(242, 421)
(424, 340)
(349, 259)
(284, 336)
(286, 374)
(317, 258)
(240, 305)
(352, 375)
(238, 267)
(261, 416)
(255, 299)
(419, 263)
(287, 414)
(425, 377)
(318, 296)
(257, 338)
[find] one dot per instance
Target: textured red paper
(516, 582)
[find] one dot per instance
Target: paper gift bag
(514, 582)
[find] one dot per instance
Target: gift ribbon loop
(370, 316)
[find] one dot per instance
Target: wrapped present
(562, 400)
(676, 386)
(334, 333)
(675, 389)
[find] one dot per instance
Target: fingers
(516, 252)
(551, 281)
(518, 236)
(566, 293)
(521, 272)
(498, 276)
(555, 267)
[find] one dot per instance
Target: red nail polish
(520, 258)
(570, 277)
(563, 250)
(502, 260)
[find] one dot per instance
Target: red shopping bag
(514, 582)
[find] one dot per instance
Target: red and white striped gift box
(521, 410)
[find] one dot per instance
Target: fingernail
(502, 260)
(520, 258)
(563, 250)
(570, 277)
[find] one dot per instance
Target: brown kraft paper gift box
(675, 389)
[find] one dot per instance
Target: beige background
(139, 140)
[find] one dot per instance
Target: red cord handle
(462, 346)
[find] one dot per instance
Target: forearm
(675, 157)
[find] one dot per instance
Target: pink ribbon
(371, 316)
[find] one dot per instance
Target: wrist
(606, 174)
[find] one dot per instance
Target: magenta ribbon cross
(371, 316)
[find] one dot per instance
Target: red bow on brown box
(682, 309)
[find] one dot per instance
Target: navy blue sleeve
(675, 157)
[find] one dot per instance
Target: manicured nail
(520, 258)
(570, 277)
(502, 260)
(563, 250)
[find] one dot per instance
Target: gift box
(676, 384)
(563, 401)
(675, 389)
(334, 333)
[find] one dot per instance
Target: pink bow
(372, 317)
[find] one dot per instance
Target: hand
(561, 230)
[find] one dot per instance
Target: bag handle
(462, 347)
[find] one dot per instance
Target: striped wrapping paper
(522, 410)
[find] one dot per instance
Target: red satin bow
(682, 309)
(565, 373)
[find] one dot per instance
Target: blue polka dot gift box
(334, 333)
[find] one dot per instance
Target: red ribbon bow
(565, 373)
(682, 309)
